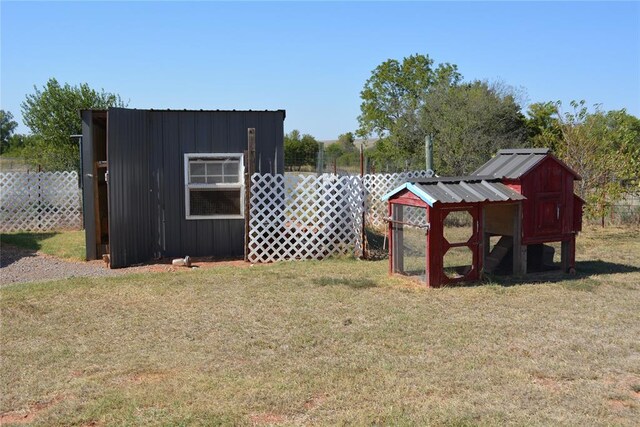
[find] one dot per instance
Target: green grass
(64, 244)
(325, 343)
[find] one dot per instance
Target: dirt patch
(267, 418)
(548, 383)
(164, 265)
(314, 401)
(619, 404)
(19, 265)
(23, 266)
(624, 385)
(148, 377)
(28, 415)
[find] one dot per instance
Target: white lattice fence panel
(304, 217)
(377, 185)
(40, 201)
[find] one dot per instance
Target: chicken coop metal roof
(512, 164)
(471, 189)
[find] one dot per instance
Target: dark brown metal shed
(168, 183)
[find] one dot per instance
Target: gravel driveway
(20, 266)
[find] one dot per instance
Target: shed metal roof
(512, 164)
(284, 112)
(458, 190)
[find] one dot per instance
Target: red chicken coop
(500, 219)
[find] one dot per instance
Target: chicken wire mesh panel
(304, 217)
(457, 262)
(409, 227)
(40, 201)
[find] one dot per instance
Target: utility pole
(428, 151)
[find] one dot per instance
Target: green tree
(51, 113)
(292, 150)
(342, 154)
(7, 128)
(543, 125)
(603, 148)
(403, 102)
(18, 142)
(346, 142)
(393, 98)
(299, 150)
(470, 122)
(333, 151)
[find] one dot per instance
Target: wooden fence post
(250, 163)
(364, 205)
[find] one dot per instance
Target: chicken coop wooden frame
(523, 197)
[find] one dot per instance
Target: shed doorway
(100, 183)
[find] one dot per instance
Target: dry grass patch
(332, 342)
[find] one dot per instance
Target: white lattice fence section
(304, 217)
(311, 217)
(377, 185)
(40, 201)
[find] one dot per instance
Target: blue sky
(313, 59)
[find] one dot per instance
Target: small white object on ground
(182, 262)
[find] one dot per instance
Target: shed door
(128, 154)
(549, 214)
(549, 207)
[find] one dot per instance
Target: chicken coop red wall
(548, 212)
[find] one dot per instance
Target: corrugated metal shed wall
(130, 213)
(146, 179)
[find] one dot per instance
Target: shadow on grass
(584, 269)
(604, 267)
(22, 245)
(26, 240)
(340, 281)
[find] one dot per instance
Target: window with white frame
(214, 186)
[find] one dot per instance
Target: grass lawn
(64, 244)
(331, 342)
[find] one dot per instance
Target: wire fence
(347, 163)
(625, 212)
(16, 164)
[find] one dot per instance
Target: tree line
(52, 114)
(402, 102)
